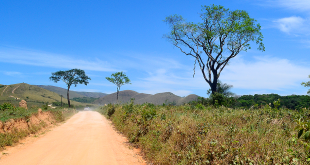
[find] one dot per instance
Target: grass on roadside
(194, 134)
(8, 111)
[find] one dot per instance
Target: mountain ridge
(140, 98)
(72, 93)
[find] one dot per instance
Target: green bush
(6, 106)
(111, 110)
(198, 134)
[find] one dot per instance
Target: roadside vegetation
(9, 112)
(198, 134)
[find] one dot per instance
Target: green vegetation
(85, 99)
(70, 77)
(291, 102)
(119, 79)
(306, 84)
(196, 134)
(34, 95)
(221, 36)
(9, 111)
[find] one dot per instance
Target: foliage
(58, 103)
(206, 135)
(223, 89)
(111, 110)
(306, 84)
(70, 77)
(34, 95)
(290, 102)
(6, 106)
(119, 79)
(11, 112)
(85, 99)
(221, 36)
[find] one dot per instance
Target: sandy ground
(87, 138)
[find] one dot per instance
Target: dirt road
(87, 138)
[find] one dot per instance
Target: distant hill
(31, 93)
(140, 98)
(72, 94)
(92, 94)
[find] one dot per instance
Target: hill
(123, 97)
(73, 94)
(140, 98)
(33, 94)
(92, 94)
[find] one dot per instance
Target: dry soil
(87, 138)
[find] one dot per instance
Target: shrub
(111, 110)
(198, 134)
(6, 106)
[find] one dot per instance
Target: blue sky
(103, 37)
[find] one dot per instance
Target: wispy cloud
(293, 25)
(10, 73)
(299, 5)
(45, 59)
(261, 74)
(265, 73)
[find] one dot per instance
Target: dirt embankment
(45, 118)
(86, 138)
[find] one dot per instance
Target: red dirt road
(87, 138)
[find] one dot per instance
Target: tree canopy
(119, 79)
(70, 77)
(221, 36)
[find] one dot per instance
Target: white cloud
(37, 58)
(266, 73)
(262, 74)
(295, 25)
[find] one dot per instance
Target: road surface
(87, 138)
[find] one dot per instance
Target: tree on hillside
(306, 84)
(119, 79)
(70, 77)
(221, 36)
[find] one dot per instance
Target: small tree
(119, 79)
(221, 36)
(223, 89)
(306, 84)
(70, 77)
(223, 94)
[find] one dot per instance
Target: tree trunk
(68, 97)
(213, 87)
(213, 84)
(117, 95)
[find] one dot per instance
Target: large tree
(306, 84)
(119, 79)
(221, 36)
(70, 77)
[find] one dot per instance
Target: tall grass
(194, 134)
